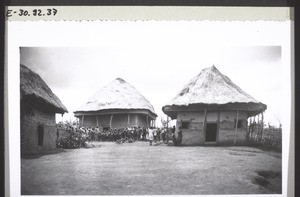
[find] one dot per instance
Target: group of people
(132, 133)
(156, 134)
(151, 134)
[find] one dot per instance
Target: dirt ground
(137, 168)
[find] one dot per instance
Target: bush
(73, 139)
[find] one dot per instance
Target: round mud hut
(38, 108)
(116, 105)
(211, 109)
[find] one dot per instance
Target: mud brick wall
(139, 120)
(29, 132)
(89, 121)
(227, 128)
(103, 121)
(118, 120)
(43, 117)
(226, 136)
(195, 135)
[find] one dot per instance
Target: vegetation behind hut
(269, 137)
(73, 138)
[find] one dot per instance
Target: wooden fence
(268, 137)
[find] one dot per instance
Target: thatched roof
(35, 90)
(213, 89)
(117, 95)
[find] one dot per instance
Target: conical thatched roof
(117, 95)
(35, 90)
(212, 88)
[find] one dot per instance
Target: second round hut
(116, 105)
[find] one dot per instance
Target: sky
(75, 73)
(158, 58)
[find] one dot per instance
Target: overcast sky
(159, 73)
(158, 58)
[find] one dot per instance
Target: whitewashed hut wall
(212, 116)
(227, 127)
(194, 133)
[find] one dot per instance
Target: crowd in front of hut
(125, 134)
(121, 135)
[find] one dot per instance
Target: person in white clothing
(151, 135)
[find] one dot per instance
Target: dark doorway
(211, 132)
(40, 135)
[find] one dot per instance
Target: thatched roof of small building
(118, 94)
(36, 91)
(212, 89)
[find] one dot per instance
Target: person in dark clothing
(158, 135)
(57, 136)
(173, 129)
(177, 141)
(144, 134)
(163, 135)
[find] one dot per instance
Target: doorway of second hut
(211, 132)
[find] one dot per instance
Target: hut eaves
(33, 87)
(212, 88)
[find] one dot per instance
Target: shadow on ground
(38, 155)
(268, 179)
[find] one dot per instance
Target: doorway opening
(211, 132)
(40, 135)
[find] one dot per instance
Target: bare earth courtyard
(137, 168)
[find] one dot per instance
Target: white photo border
(66, 34)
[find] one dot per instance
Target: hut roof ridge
(210, 86)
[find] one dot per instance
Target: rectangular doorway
(211, 132)
(40, 135)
